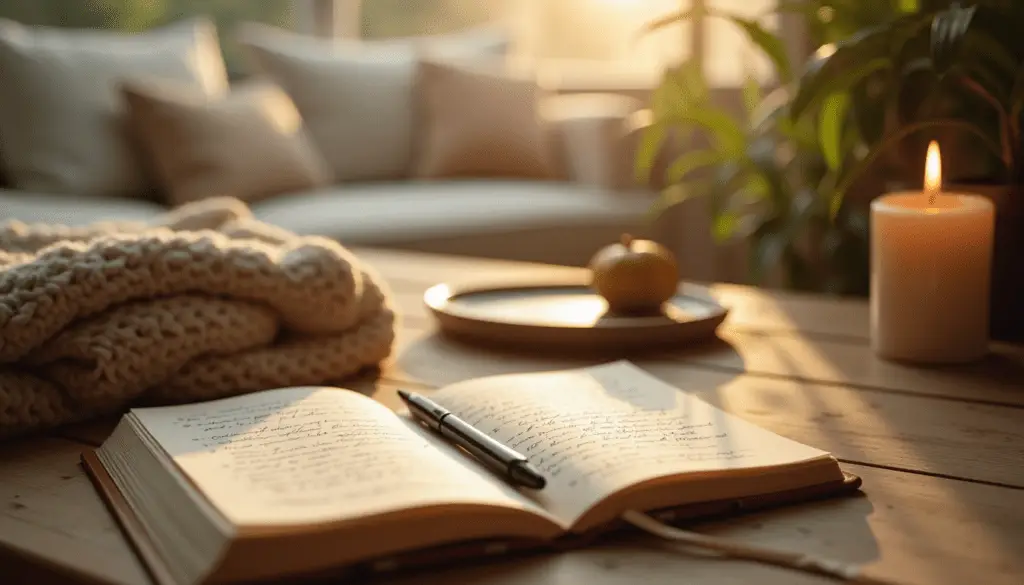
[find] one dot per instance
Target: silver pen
(507, 461)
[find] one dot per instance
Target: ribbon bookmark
(848, 572)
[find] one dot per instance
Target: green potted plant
(952, 71)
(769, 178)
(890, 75)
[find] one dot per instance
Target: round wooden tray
(568, 315)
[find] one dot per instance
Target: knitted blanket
(200, 303)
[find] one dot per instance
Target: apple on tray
(634, 276)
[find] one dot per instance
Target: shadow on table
(819, 528)
(1004, 365)
(438, 359)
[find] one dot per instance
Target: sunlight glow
(825, 51)
(437, 295)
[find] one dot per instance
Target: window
(564, 37)
(588, 35)
(728, 56)
(398, 18)
(138, 15)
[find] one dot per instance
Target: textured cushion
(476, 122)
(60, 123)
(250, 144)
(357, 97)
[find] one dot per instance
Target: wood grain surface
(939, 450)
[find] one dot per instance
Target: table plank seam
(950, 477)
(853, 385)
(799, 333)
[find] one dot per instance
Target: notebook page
(306, 455)
(594, 431)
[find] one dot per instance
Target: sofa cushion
(72, 209)
(60, 111)
(357, 97)
(591, 135)
(250, 144)
(457, 138)
(555, 222)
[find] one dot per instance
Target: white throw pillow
(356, 97)
(61, 116)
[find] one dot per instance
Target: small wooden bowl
(568, 315)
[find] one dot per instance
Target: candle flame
(933, 172)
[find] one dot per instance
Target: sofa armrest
(595, 142)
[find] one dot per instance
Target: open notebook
(302, 480)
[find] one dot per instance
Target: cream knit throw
(203, 302)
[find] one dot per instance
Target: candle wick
(931, 199)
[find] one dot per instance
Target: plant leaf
(669, 95)
(691, 82)
(758, 187)
(648, 148)
(682, 89)
(985, 82)
(751, 93)
(949, 28)
(723, 225)
(1017, 99)
(993, 50)
(772, 45)
(773, 113)
(676, 194)
(830, 128)
(1004, 117)
(800, 6)
(771, 107)
(726, 133)
(767, 180)
(838, 73)
(690, 162)
(728, 177)
(670, 19)
(841, 66)
(908, 6)
(836, 203)
(766, 252)
(858, 169)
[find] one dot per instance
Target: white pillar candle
(931, 258)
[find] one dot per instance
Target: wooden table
(941, 451)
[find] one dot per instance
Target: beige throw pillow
(357, 96)
(475, 122)
(61, 125)
(250, 144)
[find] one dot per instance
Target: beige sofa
(560, 222)
(360, 107)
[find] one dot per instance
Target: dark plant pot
(1007, 317)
